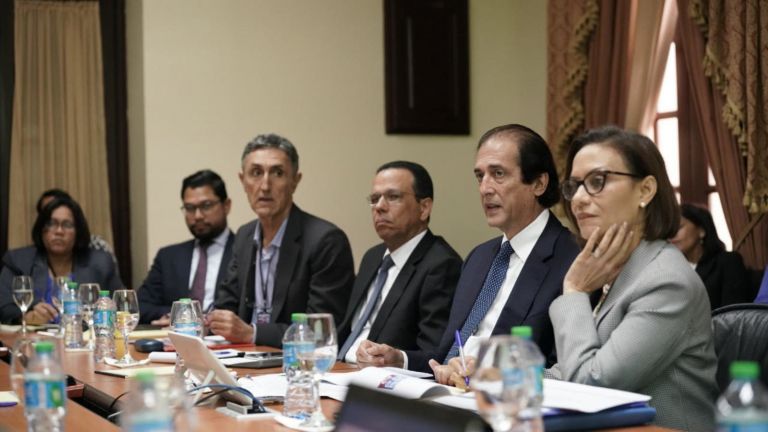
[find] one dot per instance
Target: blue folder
(625, 415)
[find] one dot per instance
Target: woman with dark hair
(650, 332)
(724, 275)
(61, 238)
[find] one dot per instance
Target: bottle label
(71, 307)
(513, 377)
(150, 423)
(538, 379)
(44, 394)
(189, 328)
(104, 318)
(744, 427)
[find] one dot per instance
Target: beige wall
(207, 76)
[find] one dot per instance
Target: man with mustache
(403, 291)
(509, 280)
(285, 261)
(192, 268)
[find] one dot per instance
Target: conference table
(95, 395)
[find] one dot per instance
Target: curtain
(655, 26)
(6, 111)
(58, 131)
(732, 134)
(606, 90)
(570, 24)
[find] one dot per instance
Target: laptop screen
(372, 411)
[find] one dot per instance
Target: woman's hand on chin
(601, 260)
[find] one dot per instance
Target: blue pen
(461, 355)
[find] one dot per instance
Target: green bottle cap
(103, 293)
(525, 332)
(185, 300)
(72, 285)
(145, 376)
(44, 347)
(299, 317)
(745, 370)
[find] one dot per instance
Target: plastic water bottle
(44, 391)
(744, 405)
(299, 400)
(104, 327)
(71, 317)
(533, 362)
(146, 407)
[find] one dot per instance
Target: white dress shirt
(522, 243)
(399, 258)
(215, 255)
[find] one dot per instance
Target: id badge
(262, 318)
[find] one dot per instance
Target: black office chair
(741, 333)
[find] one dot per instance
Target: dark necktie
(198, 283)
(378, 285)
(493, 283)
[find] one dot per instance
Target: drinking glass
(319, 361)
(498, 382)
(23, 294)
(89, 294)
(57, 298)
(127, 307)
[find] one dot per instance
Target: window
(691, 177)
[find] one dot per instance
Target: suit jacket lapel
(183, 268)
(290, 249)
(530, 279)
(640, 258)
(225, 259)
(401, 282)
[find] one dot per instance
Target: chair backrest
(741, 333)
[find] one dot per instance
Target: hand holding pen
(461, 356)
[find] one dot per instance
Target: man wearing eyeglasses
(509, 280)
(195, 267)
(404, 288)
(285, 261)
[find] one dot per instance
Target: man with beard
(192, 268)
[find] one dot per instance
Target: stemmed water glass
(89, 294)
(319, 361)
(498, 382)
(23, 294)
(127, 307)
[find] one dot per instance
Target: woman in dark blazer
(61, 238)
(723, 272)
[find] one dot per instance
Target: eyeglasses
(391, 197)
(204, 207)
(594, 182)
(64, 225)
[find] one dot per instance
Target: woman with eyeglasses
(61, 238)
(650, 330)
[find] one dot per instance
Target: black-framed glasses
(64, 225)
(593, 182)
(391, 197)
(204, 207)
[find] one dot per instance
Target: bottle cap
(525, 332)
(299, 317)
(103, 293)
(145, 376)
(72, 285)
(185, 300)
(44, 347)
(745, 370)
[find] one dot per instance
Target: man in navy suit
(402, 294)
(509, 280)
(192, 268)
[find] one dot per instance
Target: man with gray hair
(285, 261)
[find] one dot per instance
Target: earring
(642, 204)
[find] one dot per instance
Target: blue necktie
(493, 283)
(378, 285)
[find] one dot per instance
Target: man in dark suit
(195, 267)
(510, 280)
(403, 291)
(286, 261)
